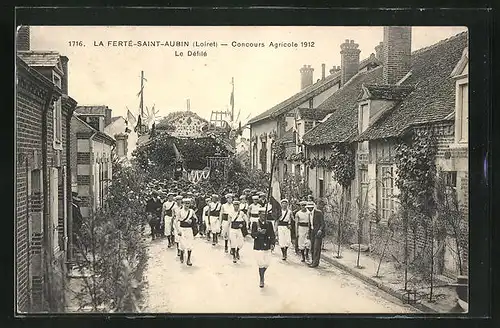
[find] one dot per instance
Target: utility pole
(142, 95)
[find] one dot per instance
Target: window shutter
(372, 187)
(395, 191)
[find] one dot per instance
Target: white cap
(255, 197)
(187, 200)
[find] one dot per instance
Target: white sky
(263, 76)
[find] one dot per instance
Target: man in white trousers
(176, 212)
(253, 210)
(214, 216)
(283, 224)
(206, 218)
(187, 218)
(167, 214)
(238, 223)
(227, 208)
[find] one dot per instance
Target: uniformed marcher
(302, 226)
(214, 216)
(264, 240)
(153, 211)
(283, 224)
(226, 209)
(167, 214)
(187, 218)
(253, 210)
(238, 229)
(176, 211)
(244, 204)
(205, 217)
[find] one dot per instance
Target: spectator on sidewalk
(317, 233)
(153, 212)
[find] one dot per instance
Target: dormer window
(461, 75)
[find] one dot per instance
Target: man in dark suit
(153, 211)
(317, 234)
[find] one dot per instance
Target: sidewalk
(391, 280)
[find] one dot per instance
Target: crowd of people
(180, 216)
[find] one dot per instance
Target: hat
(302, 202)
(178, 197)
(215, 195)
(284, 200)
(243, 197)
(208, 198)
(262, 209)
(229, 195)
(236, 202)
(310, 204)
(246, 190)
(187, 200)
(170, 194)
(262, 193)
(255, 197)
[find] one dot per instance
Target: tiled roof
(115, 118)
(287, 136)
(312, 114)
(433, 98)
(40, 58)
(388, 92)
(311, 91)
(94, 109)
(92, 129)
(343, 121)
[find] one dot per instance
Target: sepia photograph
(241, 169)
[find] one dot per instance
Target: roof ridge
(439, 43)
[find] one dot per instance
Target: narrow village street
(214, 284)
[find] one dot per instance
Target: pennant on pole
(231, 101)
(131, 118)
(139, 123)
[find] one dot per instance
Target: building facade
(289, 120)
(412, 91)
(43, 195)
(94, 149)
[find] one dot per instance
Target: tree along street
(214, 284)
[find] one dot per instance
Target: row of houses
(368, 106)
(61, 150)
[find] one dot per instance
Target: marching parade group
(183, 215)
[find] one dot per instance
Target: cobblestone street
(214, 284)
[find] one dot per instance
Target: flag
(231, 101)
(131, 118)
(139, 123)
(275, 198)
(153, 131)
(178, 155)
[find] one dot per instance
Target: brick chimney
(306, 76)
(107, 118)
(379, 51)
(64, 64)
(397, 53)
(23, 38)
(323, 68)
(349, 60)
(334, 69)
